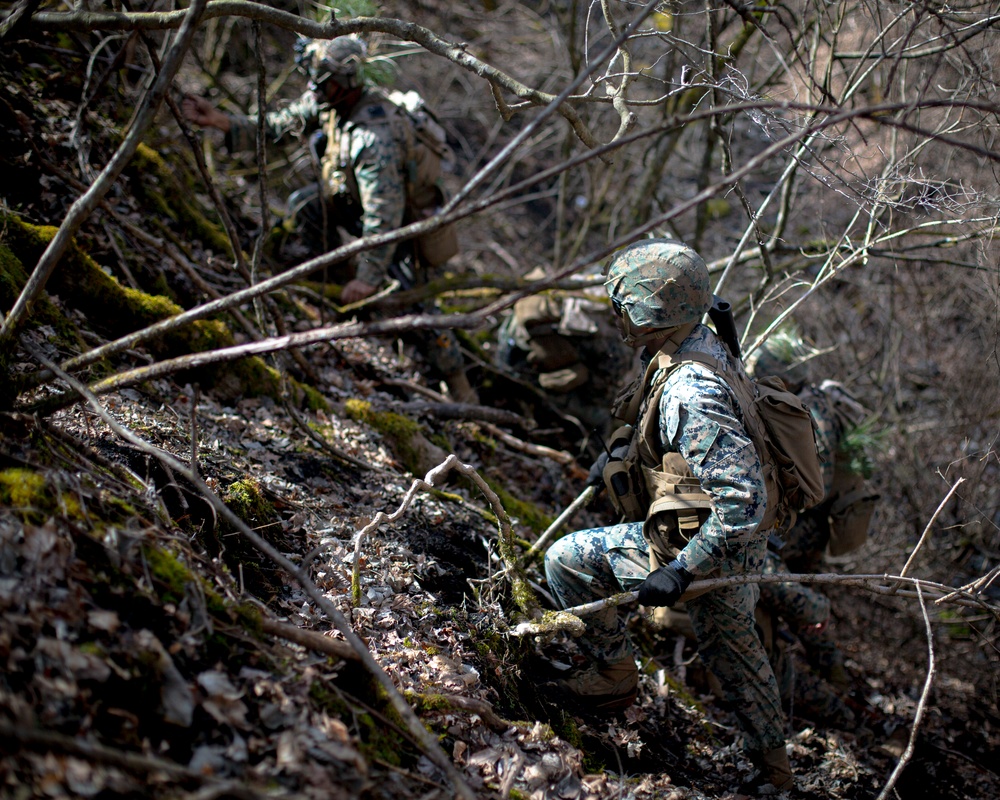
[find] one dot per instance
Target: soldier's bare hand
(356, 290)
(201, 112)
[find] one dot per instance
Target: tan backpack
(425, 146)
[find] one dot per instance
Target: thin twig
(569, 618)
(523, 594)
(921, 705)
(549, 533)
(930, 522)
(426, 739)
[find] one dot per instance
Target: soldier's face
(327, 91)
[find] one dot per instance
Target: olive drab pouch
(623, 476)
(850, 512)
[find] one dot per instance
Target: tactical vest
(423, 146)
(659, 488)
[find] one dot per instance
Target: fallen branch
(523, 594)
(309, 639)
(475, 706)
(416, 728)
(538, 548)
(539, 450)
(569, 619)
(466, 411)
(49, 741)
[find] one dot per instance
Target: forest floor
(133, 662)
(149, 650)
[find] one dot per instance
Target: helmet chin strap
(643, 337)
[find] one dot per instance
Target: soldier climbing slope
(659, 290)
(379, 160)
(839, 524)
(565, 343)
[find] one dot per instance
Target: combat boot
(774, 770)
(603, 688)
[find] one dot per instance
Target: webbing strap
(674, 341)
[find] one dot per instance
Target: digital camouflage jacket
(365, 142)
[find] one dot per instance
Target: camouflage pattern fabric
(366, 144)
(600, 562)
(803, 691)
(338, 59)
(699, 418)
(659, 283)
(369, 148)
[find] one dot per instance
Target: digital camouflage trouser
(802, 609)
(600, 562)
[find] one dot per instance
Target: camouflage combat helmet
(339, 60)
(658, 283)
(784, 354)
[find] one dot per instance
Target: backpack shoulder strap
(631, 410)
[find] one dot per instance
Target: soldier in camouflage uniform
(364, 174)
(847, 502)
(806, 612)
(660, 290)
(564, 342)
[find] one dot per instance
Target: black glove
(664, 586)
(595, 477)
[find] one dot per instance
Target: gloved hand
(595, 477)
(664, 586)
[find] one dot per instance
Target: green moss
(246, 500)
(118, 310)
(442, 441)
(487, 441)
(122, 510)
(312, 398)
(23, 489)
(428, 701)
(156, 182)
(111, 307)
(29, 494)
(13, 278)
(378, 741)
(70, 506)
(175, 576)
(168, 570)
(398, 431)
(527, 513)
